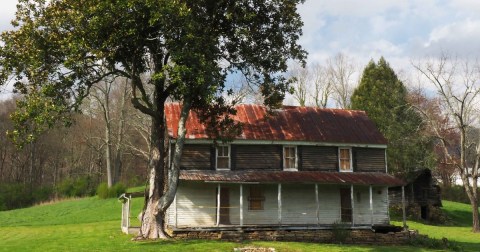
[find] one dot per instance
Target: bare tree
(341, 72)
(301, 85)
(322, 84)
(103, 94)
(458, 88)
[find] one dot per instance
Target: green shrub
(432, 243)
(82, 186)
(42, 194)
(116, 190)
(102, 191)
(14, 196)
(340, 232)
(455, 193)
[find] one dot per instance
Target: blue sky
(400, 30)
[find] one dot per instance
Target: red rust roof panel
(346, 178)
(290, 124)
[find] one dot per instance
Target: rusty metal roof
(289, 124)
(342, 178)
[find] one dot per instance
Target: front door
(224, 206)
(345, 205)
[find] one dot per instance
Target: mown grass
(92, 224)
(459, 230)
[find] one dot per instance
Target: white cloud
(469, 6)
(462, 38)
(7, 13)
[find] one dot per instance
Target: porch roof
(338, 178)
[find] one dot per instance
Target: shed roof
(288, 124)
(346, 178)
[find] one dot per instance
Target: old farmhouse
(302, 168)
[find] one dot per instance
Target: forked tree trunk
(163, 179)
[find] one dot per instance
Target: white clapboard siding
(196, 205)
(329, 201)
(362, 213)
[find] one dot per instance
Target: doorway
(345, 205)
(224, 206)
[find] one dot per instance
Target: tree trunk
(475, 221)
(163, 182)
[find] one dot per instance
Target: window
(290, 158)
(345, 159)
(223, 157)
(255, 199)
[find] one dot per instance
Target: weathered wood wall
(368, 160)
(196, 157)
(257, 157)
(318, 158)
(269, 157)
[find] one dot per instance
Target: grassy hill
(92, 224)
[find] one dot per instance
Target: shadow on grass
(461, 218)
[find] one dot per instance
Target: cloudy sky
(398, 30)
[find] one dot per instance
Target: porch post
(218, 204)
(175, 209)
(241, 204)
(388, 206)
(279, 198)
(353, 202)
(318, 204)
(403, 208)
(371, 205)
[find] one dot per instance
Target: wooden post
(388, 206)
(318, 204)
(371, 205)
(175, 210)
(241, 204)
(279, 204)
(403, 208)
(218, 205)
(352, 201)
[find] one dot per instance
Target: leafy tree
(181, 50)
(384, 97)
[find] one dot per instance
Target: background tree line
(105, 144)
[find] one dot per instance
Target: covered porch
(208, 200)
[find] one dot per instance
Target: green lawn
(459, 230)
(92, 224)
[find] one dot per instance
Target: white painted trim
(404, 215)
(388, 206)
(241, 204)
(371, 204)
(351, 159)
(175, 211)
(218, 204)
(318, 204)
(296, 158)
(284, 142)
(353, 203)
(386, 165)
(229, 157)
(279, 199)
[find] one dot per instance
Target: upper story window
(223, 157)
(290, 158)
(345, 159)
